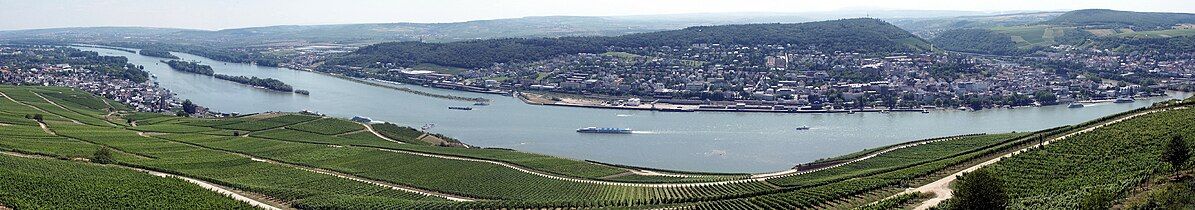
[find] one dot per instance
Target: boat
(803, 127)
(1075, 105)
(604, 130)
(1124, 99)
(481, 104)
(460, 108)
(925, 111)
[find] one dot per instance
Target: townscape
(865, 110)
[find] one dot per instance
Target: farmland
(305, 161)
(52, 184)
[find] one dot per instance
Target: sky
(224, 14)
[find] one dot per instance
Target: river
(698, 141)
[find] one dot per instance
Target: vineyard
(1112, 159)
(316, 162)
(51, 184)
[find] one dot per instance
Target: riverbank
(548, 99)
(584, 102)
(394, 86)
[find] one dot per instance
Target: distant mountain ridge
(525, 27)
(1108, 29)
(1105, 18)
(864, 35)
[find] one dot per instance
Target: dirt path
(375, 133)
(255, 200)
(338, 174)
(941, 187)
(46, 128)
(69, 110)
(38, 109)
(370, 181)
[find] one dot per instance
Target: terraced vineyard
(51, 184)
(1112, 159)
(305, 161)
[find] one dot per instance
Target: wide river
(699, 141)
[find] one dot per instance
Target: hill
(932, 27)
(1011, 40)
(859, 35)
(1104, 18)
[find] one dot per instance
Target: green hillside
(1010, 40)
(1104, 18)
(857, 35)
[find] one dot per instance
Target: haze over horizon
(225, 14)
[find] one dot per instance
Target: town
(107, 76)
(791, 78)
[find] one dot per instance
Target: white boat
(604, 130)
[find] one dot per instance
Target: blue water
(701, 141)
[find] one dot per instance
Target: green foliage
(979, 190)
(1111, 159)
(1177, 152)
(189, 107)
(56, 184)
(268, 83)
(1104, 18)
(977, 41)
(190, 66)
(328, 126)
(1098, 200)
(157, 53)
(103, 156)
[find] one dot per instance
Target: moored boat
(460, 108)
(1125, 99)
(1075, 105)
(604, 130)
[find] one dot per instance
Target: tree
(979, 190)
(103, 156)
(189, 107)
(1176, 152)
(38, 117)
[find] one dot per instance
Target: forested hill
(862, 35)
(1115, 19)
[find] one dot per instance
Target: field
(1037, 35)
(54, 184)
(318, 162)
(1113, 159)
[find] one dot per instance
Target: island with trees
(267, 83)
(157, 53)
(190, 66)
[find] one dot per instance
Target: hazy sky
(221, 14)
